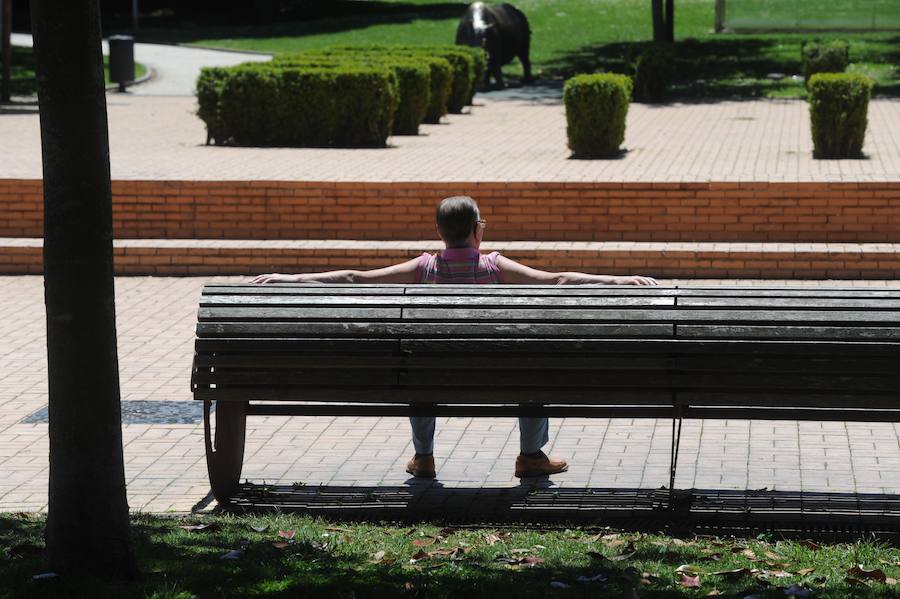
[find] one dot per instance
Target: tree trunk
(87, 521)
(663, 20)
(5, 50)
(670, 21)
(656, 8)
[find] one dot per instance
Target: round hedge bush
(596, 107)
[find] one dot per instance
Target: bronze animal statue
(502, 31)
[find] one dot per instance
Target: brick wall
(800, 261)
(773, 212)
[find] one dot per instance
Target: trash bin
(121, 60)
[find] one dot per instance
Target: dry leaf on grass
(689, 581)
(805, 571)
(861, 573)
(424, 542)
(286, 534)
(687, 569)
(811, 545)
(739, 572)
(201, 527)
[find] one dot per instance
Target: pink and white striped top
(459, 266)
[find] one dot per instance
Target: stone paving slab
(502, 140)
(165, 465)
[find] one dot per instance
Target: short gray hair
(456, 218)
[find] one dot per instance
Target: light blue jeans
(533, 434)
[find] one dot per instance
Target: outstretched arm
(405, 272)
(518, 274)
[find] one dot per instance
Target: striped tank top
(458, 266)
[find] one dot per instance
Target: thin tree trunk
(6, 50)
(87, 521)
(670, 21)
(656, 8)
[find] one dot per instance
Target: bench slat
(410, 329)
(488, 361)
(300, 313)
(521, 395)
(795, 303)
(661, 315)
(820, 401)
(790, 332)
(233, 302)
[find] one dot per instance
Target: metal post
(677, 418)
(134, 18)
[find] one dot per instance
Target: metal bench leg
(677, 418)
(225, 448)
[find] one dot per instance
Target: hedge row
(269, 105)
(340, 96)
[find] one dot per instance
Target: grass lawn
(22, 70)
(296, 556)
(574, 36)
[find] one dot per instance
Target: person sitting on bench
(461, 228)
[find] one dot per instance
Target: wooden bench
(599, 351)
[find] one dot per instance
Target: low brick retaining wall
(730, 212)
(667, 260)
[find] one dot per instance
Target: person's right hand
(636, 280)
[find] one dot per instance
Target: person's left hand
(275, 278)
(636, 280)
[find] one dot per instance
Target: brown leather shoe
(421, 466)
(539, 465)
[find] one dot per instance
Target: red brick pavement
(502, 140)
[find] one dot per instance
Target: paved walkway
(174, 68)
(511, 139)
(163, 430)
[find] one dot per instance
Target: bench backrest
(712, 347)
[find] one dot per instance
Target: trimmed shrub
(209, 92)
(838, 110)
(480, 59)
(261, 104)
(824, 57)
(653, 71)
(459, 57)
(413, 81)
(441, 84)
(463, 74)
(596, 107)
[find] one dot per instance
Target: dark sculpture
(502, 31)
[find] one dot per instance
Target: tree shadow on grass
(719, 68)
(312, 18)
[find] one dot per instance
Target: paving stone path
(163, 432)
(503, 139)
